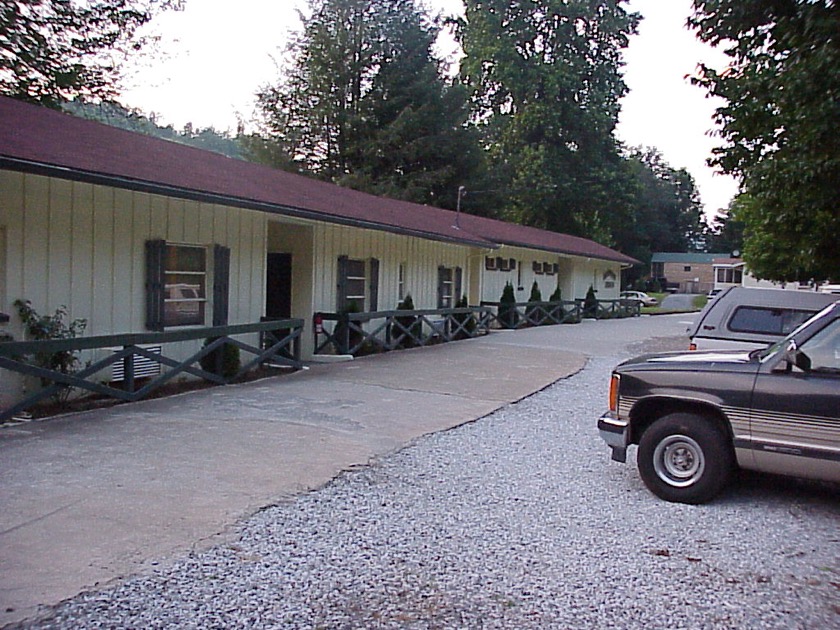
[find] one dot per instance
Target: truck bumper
(616, 433)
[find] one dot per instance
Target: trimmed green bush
(409, 323)
(227, 366)
(533, 300)
(508, 315)
(590, 303)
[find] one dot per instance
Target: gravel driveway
(518, 520)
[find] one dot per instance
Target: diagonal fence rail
(382, 331)
(279, 343)
(527, 314)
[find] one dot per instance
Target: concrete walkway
(93, 497)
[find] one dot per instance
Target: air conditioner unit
(143, 366)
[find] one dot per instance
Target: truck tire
(685, 458)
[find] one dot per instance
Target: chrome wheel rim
(678, 461)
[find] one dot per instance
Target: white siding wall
(575, 276)
(421, 259)
(83, 246)
(589, 272)
(523, 277)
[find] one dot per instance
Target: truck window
(774, 321)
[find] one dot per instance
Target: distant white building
(733, 272)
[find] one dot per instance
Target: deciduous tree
(779, 128)
(55, 50)
(546, 82)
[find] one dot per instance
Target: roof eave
(125, 183)
(623, 260)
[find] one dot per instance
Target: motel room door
(278, 286)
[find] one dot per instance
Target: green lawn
(698, 303)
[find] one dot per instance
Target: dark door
(278, 283)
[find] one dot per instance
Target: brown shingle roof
(36, 139)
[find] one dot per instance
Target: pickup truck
(699, 416)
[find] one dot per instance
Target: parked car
(639, 296)
(713, 293)
(741, 318)
(698, 416)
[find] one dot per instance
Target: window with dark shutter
(341, 285)
(374, 284)
(155, 251)
(176, 284)
(445, 287)
(221, 285)
(351, 284)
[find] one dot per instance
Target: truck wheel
(685, 458)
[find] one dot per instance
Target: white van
(742, 318)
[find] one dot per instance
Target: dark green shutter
(459, 275)
(221, 285)
(341, 288)
(441, 277)
(155, 268)
(374, 285)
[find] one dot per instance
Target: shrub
(531, 311)
(407, 323)
(223, 361)
(508, 315)
(52, 327)
(590, 303)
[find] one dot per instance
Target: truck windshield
(772, 349)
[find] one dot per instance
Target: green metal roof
(683, 257)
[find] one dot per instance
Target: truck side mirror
(795, 357)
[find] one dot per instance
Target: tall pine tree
(364, 103)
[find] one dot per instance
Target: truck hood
(733, 356)
(712, 360)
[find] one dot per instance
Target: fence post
(128, 371)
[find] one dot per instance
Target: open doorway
(278, 284)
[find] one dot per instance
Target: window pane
(757, 320)
(356, 268)
(185, 288)
(185, 258)
(824, 349)
(182, 313)
(355, 289)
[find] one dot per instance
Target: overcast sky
(214, 55)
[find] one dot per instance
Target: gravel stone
(517, 520)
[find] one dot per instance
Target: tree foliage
(666, 213)
(545, 82)
(725, 233)
(364, 103)
(782, 93)
(55, 50)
